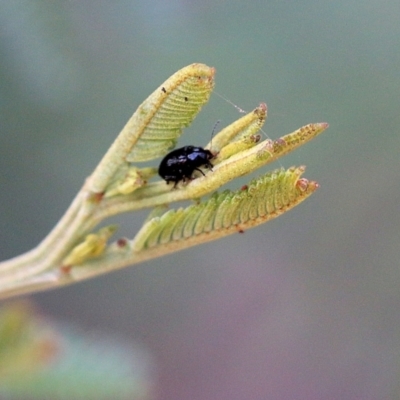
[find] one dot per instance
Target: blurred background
(304, 307)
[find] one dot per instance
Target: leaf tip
(305, 185)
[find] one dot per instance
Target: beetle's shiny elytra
(179, 164)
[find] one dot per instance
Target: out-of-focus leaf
(39, 360)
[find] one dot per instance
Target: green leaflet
(228, 212)
(169, 109)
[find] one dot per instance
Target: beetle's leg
(198, 169)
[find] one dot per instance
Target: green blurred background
(304, 307)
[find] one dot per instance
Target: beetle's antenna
(214, 128)
(213, 131)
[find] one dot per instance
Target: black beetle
(179, 164)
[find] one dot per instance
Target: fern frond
(228, 212)
(77, 249)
